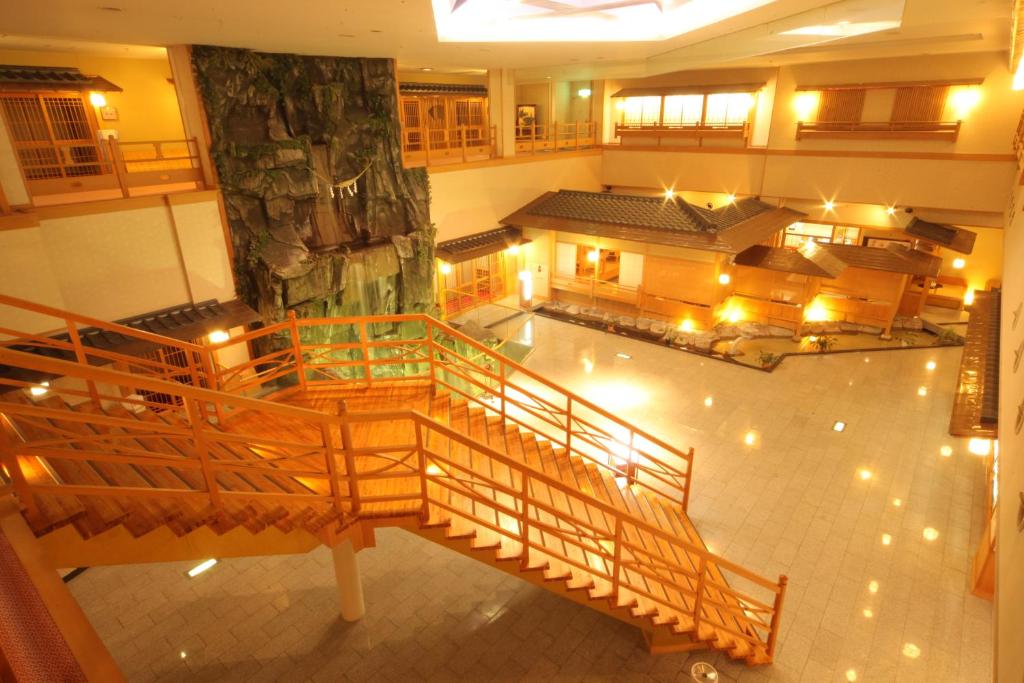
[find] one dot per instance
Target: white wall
(115, 259)
(468, 200)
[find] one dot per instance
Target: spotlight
(891, 210)
(219, 337)
(724, 279)
(97, 99)
(959, 263)
(830, 205)
(730, 198)
(670, 193)
(445, 268)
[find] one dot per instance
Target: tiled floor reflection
(843, 514)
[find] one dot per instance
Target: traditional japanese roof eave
(818, 263)
(56, 78)
(893, 259)
(942, 234)
(710, 89)
(480, 244)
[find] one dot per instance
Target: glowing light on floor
(922, 391)
(930, 365)
(886, 539)
(588, 365)
(912, 651)
(980, 447)
(867, 360)
(864, 474)
(873, 587)
(897, 502)
(182, 654)
(40, 389)
(851, 675)
(624, 356)
(839, 426)
(708, 401)
(201, 567)
(617, 395)
(750, 438)
(433, 470)
(930, 534)
(868, 614)
(946, 451)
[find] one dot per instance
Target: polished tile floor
(843, 514)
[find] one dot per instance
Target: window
(642, 111)
(728, 109)
(919, 104)
(799, 233)
(840, 106)
(683, 110)
(600, 263)
(53, 135)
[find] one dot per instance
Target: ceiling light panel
(539, 21)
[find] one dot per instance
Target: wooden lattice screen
(920, 104)
(840, 106)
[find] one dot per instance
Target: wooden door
(54, 135)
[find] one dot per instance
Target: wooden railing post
(773, 633)
(364, 347)
(425, 136)
(578, 134)
(300, 365)
(193, 373)
(350, 457)
(80, 357)
(462, 140)
(504, 388)
(568, 425)
(689, 478)
(421, 452)
(192, 410)
(11, 464)
(120, 168)
(431, 344)
(330, 457)
(212, 378)
(702, 572)
(524, 522)
(630, 463)
(617, 559)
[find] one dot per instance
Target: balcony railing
(698, 131)
(555, 137)
(878, 130)
(77, 170)
(423, 146)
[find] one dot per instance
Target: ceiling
(772, 32)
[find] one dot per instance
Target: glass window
(683, 110)
(641, 111)
(799, 233)
(728, 109)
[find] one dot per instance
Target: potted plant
(822, 343)
(767, 359)
(905, 338)
(949, 337)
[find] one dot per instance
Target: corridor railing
(442, 474)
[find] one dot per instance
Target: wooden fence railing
(556, 136)
(683, 579)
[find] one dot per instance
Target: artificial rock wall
(287, 131)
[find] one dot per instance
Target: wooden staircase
(519, 474)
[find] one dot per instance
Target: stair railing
(443, 474)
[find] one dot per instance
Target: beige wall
(114, 259)
(10, 175)
(147, 107)
(1010, 541)
(476, 199)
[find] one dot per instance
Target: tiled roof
(185, 322)
(948, 236)
(442, 88)
(479, 244)
(673, 222)
(894, 259)
(818, 263)
(51, 77)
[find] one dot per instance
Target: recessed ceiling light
(959, 263)
(864, 474)
(624, 356)
(922, 391)
(200, 568)
(886, 539)
(851, 675)
(930, 365)
(930, 534)
(912, 651)
(750, 438)
(897, 502)
(839, 426)
(708, 401)
(426, 68)
(873, 587)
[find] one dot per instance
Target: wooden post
(617, 560)
(689, 478)
(524, 522)
(193, 373)
(350, 458)
(300, 365)
(365, 349)
(202, 450)
(702, 571)
(462, 140)
(424, 482)
(117, 161)
(773, 634)
(350, 586)
(10, 463)
(330, 455)
(80, 357)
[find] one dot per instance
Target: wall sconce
(969, 298)
(445, 268)
(219, 337)
(513, 250)
(805, 104)
(593, 255)
(97, 99)
(959, 263)
(963, 100)
(724, 278)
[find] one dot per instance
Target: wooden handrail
(200, 435)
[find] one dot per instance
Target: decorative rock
(643, 324)
(870, 329)
(659, 328)
(626, 321)
(572, 309)
(779, 332)
(474, 330)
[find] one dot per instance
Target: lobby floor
(803, 500)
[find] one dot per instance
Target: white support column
(501, 103)
(193, 117)
(350, 586)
